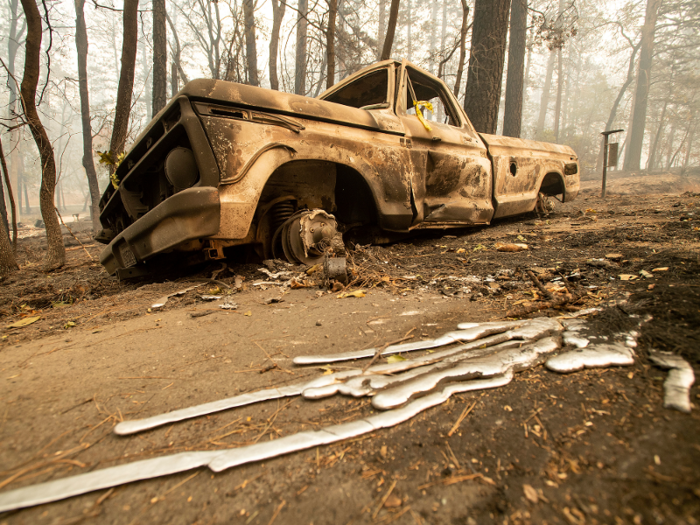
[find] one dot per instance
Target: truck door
(451, 180)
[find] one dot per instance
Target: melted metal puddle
(487, 356)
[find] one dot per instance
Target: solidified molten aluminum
(139, 425)
(680, 379)
(218, 460)
(471, 332)
(329, 385)
(498, 364)
(493, 353)
(593, 356)
(571, 338)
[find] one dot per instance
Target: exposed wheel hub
(307, 235)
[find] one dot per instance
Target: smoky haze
(587, 66)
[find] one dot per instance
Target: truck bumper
(191, 214)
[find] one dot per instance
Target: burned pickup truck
(386, 151)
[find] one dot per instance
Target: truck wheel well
(353, 198)
(552, 184)
(336, 188)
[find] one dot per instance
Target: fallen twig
(464, 414)
(554, 303)
(379, 351)
(277, 511)
(384, 498)
(539, 285)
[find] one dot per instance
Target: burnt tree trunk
(390, 30)
(300, 61)
(3, 208)
(126, 80)
(56, 252)
(16, 33)
(330, 42)
(544, 100)
(278, 8)
(651, 164)
(250, 47)
(623, 89)
(485, 74)
(560, 88)
(433, 34)
(689, 147)
(382, 28)
(81, 43)
(11, 198)
(8, 263)
(160, 57)
(634, 149)
(462, 47)
(409, 35)
(177, 55)
(174, 80)
(512, 116)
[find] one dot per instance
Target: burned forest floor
(81, 351)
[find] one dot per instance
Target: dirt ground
(590, 447)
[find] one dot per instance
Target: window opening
(422, 89)
(368, 92)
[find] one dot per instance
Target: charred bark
(81, 43)
(634, 149)
(126, 81)
(56, 253)
(512, 117)
(160, 57)
(485, 74)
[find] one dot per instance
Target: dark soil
(590, 447)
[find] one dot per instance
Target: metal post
(605, 165)
(605, 158)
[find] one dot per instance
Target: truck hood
(241, 95)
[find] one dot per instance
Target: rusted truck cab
(387, 149)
